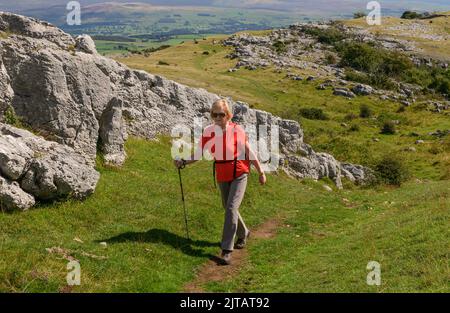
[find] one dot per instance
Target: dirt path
(212, 271)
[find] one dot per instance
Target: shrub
(11, 118)
(365, 111)
(359, 14)
(360, 56)
(359, 77)
(390, 170)
(440, 81)
(330, 36)
(313, 114)
(411, 15)
(394, 63)
(379, 65)
(330, 58)
(279, 46)
(163, 63)
(354, 128)
(205, 53)
(388, 128)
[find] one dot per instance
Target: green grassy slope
(137, 211)
(269, 90)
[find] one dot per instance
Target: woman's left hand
(262, 179)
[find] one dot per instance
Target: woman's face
(219, 117)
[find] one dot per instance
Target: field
(110, 47)
(324, 242)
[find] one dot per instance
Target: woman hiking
(229, 145)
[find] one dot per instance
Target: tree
(359, 14)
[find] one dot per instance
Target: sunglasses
(221, 115)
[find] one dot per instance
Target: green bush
(378, 65)
(360, 56)
(394, 63)
(440, 80)
(388, 128)
(359, 14)
(330, 36)
(313, 114)
(409, 15)
(365, 111)
(330, 59)
(391, 170)
(11, 118)
(279, 46)
(358, 77)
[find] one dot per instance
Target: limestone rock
(45, 169)
(13, 198)
(345, 92)
(363, 90)
(86, 44)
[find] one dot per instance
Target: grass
(137, 211)
(109, 47)
(5, 34)
(326, 245)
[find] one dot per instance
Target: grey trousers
(232, 195)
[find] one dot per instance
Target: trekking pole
(182, 199)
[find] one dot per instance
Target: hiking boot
(226, 257)
(240, 243)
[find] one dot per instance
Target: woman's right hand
(262, 179)
(178, 163)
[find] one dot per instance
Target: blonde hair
(222, 104)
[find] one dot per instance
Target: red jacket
(232, 147)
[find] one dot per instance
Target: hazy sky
(290, 5)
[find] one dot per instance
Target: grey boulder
(345, 92)
(43, 169)
(363, 90)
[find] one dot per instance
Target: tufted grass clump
(391, 170)
(11, 118)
